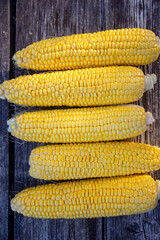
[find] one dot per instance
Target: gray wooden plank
(144, 14)
(43, 20)
(4, 156)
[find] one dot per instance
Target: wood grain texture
(4, 155)
(143, 14)
(40, 21)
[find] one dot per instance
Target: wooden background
(24, 22)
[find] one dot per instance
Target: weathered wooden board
(143, 14)
(4, 146)
(43, 20)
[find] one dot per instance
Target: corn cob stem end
(149, 118)
(158, 188)
(149, 81)
(2, 93)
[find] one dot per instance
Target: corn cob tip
(16, 206)
(158, 188)
(12, 124)
(149, 81)
(13, 206)
(16, 57)
(2, 93)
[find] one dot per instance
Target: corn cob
(102, 197)
(83, 87)
(89, 160)
(111, 47)
(81, 124)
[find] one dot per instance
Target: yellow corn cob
(111, 47)
(101, 197)
(83, 87)
(89, 160)
(81, 124)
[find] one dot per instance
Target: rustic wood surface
(24, 22)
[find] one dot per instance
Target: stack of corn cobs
(113, 180)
